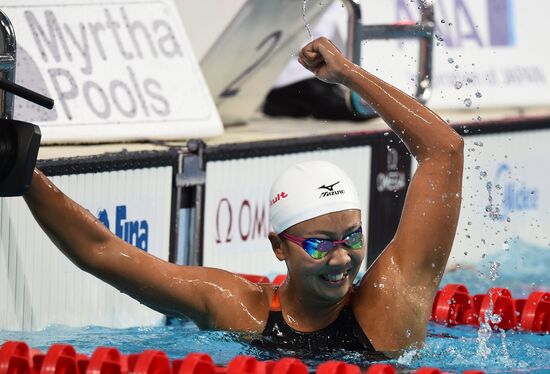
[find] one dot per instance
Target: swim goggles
(319, 248)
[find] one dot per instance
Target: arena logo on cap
(330, 190)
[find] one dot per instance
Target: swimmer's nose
(339, 256)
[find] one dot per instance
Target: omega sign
(241, 220)
(392, 179)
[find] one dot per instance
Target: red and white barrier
(18, 358)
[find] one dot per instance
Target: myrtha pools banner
(121, 70)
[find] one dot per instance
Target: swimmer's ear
(277, 246)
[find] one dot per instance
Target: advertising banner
(39, 286)
(504, 197)
(236, 220)
(487, 53)
(117, 70)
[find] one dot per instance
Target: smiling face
(331, 277)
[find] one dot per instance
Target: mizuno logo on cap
(330, 190)
(330, 187)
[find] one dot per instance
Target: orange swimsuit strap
(276, 301)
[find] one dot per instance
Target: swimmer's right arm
(211, 297)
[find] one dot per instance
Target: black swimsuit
(344, 333)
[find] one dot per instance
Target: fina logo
(133, 232)
(516, 196)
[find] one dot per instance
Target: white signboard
(39, 286)
(504, 195)
(117, 70)
(236, 222)
(487, 53)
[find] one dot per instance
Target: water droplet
(495, 318)
(467, 102)
(386, 133)
(469, 80)
(478, 94)
(442, 21)
(458, 85)
(479, 144)
(451, 60)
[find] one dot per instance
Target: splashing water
(485, 330)
(306, 25)
(492, 209)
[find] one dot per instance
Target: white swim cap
(307, 190)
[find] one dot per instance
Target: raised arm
(412, 265)
(195, 292)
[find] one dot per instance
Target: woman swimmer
(317, 226)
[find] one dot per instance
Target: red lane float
(149, 361)
(535, 315)
(17, 358)
(60, 359)
(453, 305)
(501, 302)
(194, 363)
(337, 367)
(104, 360)
(380, 369)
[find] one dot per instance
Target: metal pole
(8, 48)
(355, 28)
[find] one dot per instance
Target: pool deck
(263, 128)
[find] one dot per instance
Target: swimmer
(318, 235)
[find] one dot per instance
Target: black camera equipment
(19, 141)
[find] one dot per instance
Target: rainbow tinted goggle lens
(319, 248)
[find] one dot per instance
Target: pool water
(522, 269)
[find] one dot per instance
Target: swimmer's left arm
(406, 275)
(427, 227)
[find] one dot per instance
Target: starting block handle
(423, 30)
(8, 49)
